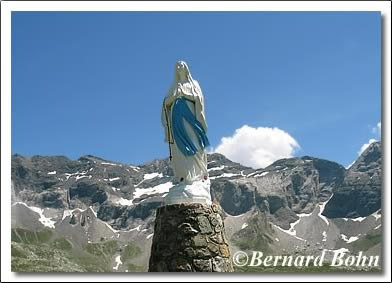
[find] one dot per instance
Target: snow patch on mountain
(149, 236)
(111, 228)
(69, 212)
(66, 213)
(152, 175)
(349, 240)
(46, 221)
(321, 210)
(358, 219)
(261, 175)
(137, 228)
(109, 163)
(376, 215)
(216, 168)
(290, 231)
(80, 177)
(126, 202)
(92, 210)
(225, 175)
(135, 168)
(324, 236)
(118, 262)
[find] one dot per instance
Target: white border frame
(9, 6)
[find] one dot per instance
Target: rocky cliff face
(281, 190)
(360, 192)
(291, 200)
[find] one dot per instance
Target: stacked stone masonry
(190, 237)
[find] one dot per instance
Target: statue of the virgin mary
(184, 121)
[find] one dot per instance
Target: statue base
(197, 192)
(190, 237)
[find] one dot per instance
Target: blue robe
(181, 114)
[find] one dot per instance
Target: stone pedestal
(190, 237)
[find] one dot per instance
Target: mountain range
(95, 215)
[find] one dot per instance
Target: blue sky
(93, 82)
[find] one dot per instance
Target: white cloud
(257, 147)
(365, 146)
(377, 130)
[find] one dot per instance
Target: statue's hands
(179, 90)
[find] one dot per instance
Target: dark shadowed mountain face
(360, 193)
(296, 204)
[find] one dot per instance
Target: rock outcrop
(360, 193)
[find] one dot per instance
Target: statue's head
(182, 71)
